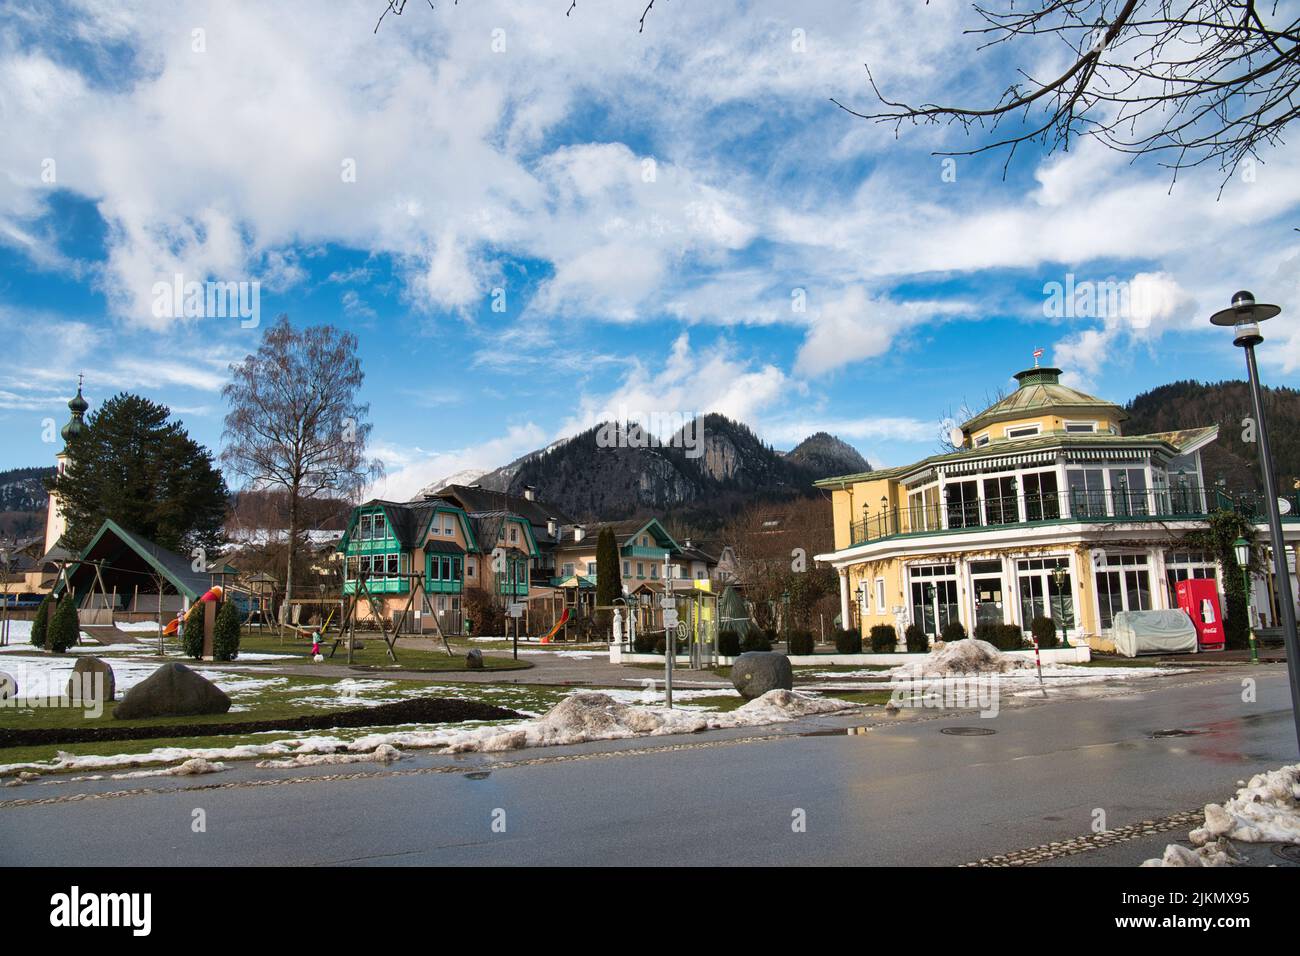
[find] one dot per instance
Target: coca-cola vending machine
(1199, 597)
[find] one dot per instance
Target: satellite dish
(956, 436)
(1284, 506)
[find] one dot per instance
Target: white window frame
(1080, 428)
(1008, 429)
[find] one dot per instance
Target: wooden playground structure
(364, 610)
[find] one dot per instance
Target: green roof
(1175, 442)
(1041, 391)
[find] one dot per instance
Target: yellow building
(1043, 480)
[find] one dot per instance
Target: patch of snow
(1266, 809)
(958, 658)
(191, 767)
(384, 753)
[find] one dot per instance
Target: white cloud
(410, 468)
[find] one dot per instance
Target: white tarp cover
(1154, 632)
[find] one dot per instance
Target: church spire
(77, 406)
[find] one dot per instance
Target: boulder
(173, 690)
(474, 659)
(90, 679)
(754, 673)
(8, 686)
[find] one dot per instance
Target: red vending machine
(1199, 597)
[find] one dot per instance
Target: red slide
(555, 630)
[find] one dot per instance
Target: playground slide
(555, 630)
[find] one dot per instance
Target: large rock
(474, 659)
(754, 673)
(91, 680)
(173, 690)
(8, 686)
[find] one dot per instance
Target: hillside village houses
(514, 547)
(1041, 480)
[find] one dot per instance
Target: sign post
(670, 648)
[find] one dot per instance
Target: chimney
(552, 526)
(579, 532)
(530, 493)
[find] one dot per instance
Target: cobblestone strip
(1043, 853)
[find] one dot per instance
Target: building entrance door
(988, 600)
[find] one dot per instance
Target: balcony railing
(1117, 506)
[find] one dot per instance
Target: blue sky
(674, 221)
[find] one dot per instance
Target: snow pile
(957, 658)
(1218, 853)
(384, 753)
(191, 767)
(1265, 810)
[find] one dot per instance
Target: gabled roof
(112, 543)
(475, 500)
(408, 519)
(1041, 391)
(625, 533)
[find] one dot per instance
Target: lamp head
(1244, 315)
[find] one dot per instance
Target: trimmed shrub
(644, 643)
(728, 643)
(661, 645)
(64, 629)
(884, 639)
(192, 631)
(848, 641)
(918, 642)
(800, 642)
(953, 631)
(41, 625)
(225, 633)
(757, 640)
(1044, 631)
(1007, 637)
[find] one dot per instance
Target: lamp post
(1244, 316)
(1059, 574)
(1241, 548)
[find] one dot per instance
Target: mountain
(23, 500)
(467, 476)
(1191, 404)
(707, 471)
(827, 455)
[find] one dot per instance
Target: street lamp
(1241, 547)
(1059, 574)
(1244, 316)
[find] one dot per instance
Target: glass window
(1087, 488)
(591, 567)
(963, 504)
(1000, 504)
(1041, 500)
(363, 528)
(1022, 431)
(627, 569)
(394, 564)
(1128, 490)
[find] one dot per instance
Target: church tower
(55, 523)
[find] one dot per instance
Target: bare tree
(1191, 82)
(294, 419)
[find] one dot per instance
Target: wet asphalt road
(901, 793)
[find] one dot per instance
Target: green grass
(375, 654)
(871, 697)
(841, 668)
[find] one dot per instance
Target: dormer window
(982, 440)
(1023, 431)
(1085, 428)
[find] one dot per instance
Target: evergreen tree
(225, 633)
(40, 625)
(64, 629)
(192, 633)
(609, 579)
(132, 465)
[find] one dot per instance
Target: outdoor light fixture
(1244, 316)
(1241, 548)
(1058, 575)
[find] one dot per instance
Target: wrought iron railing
(1077, 505)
